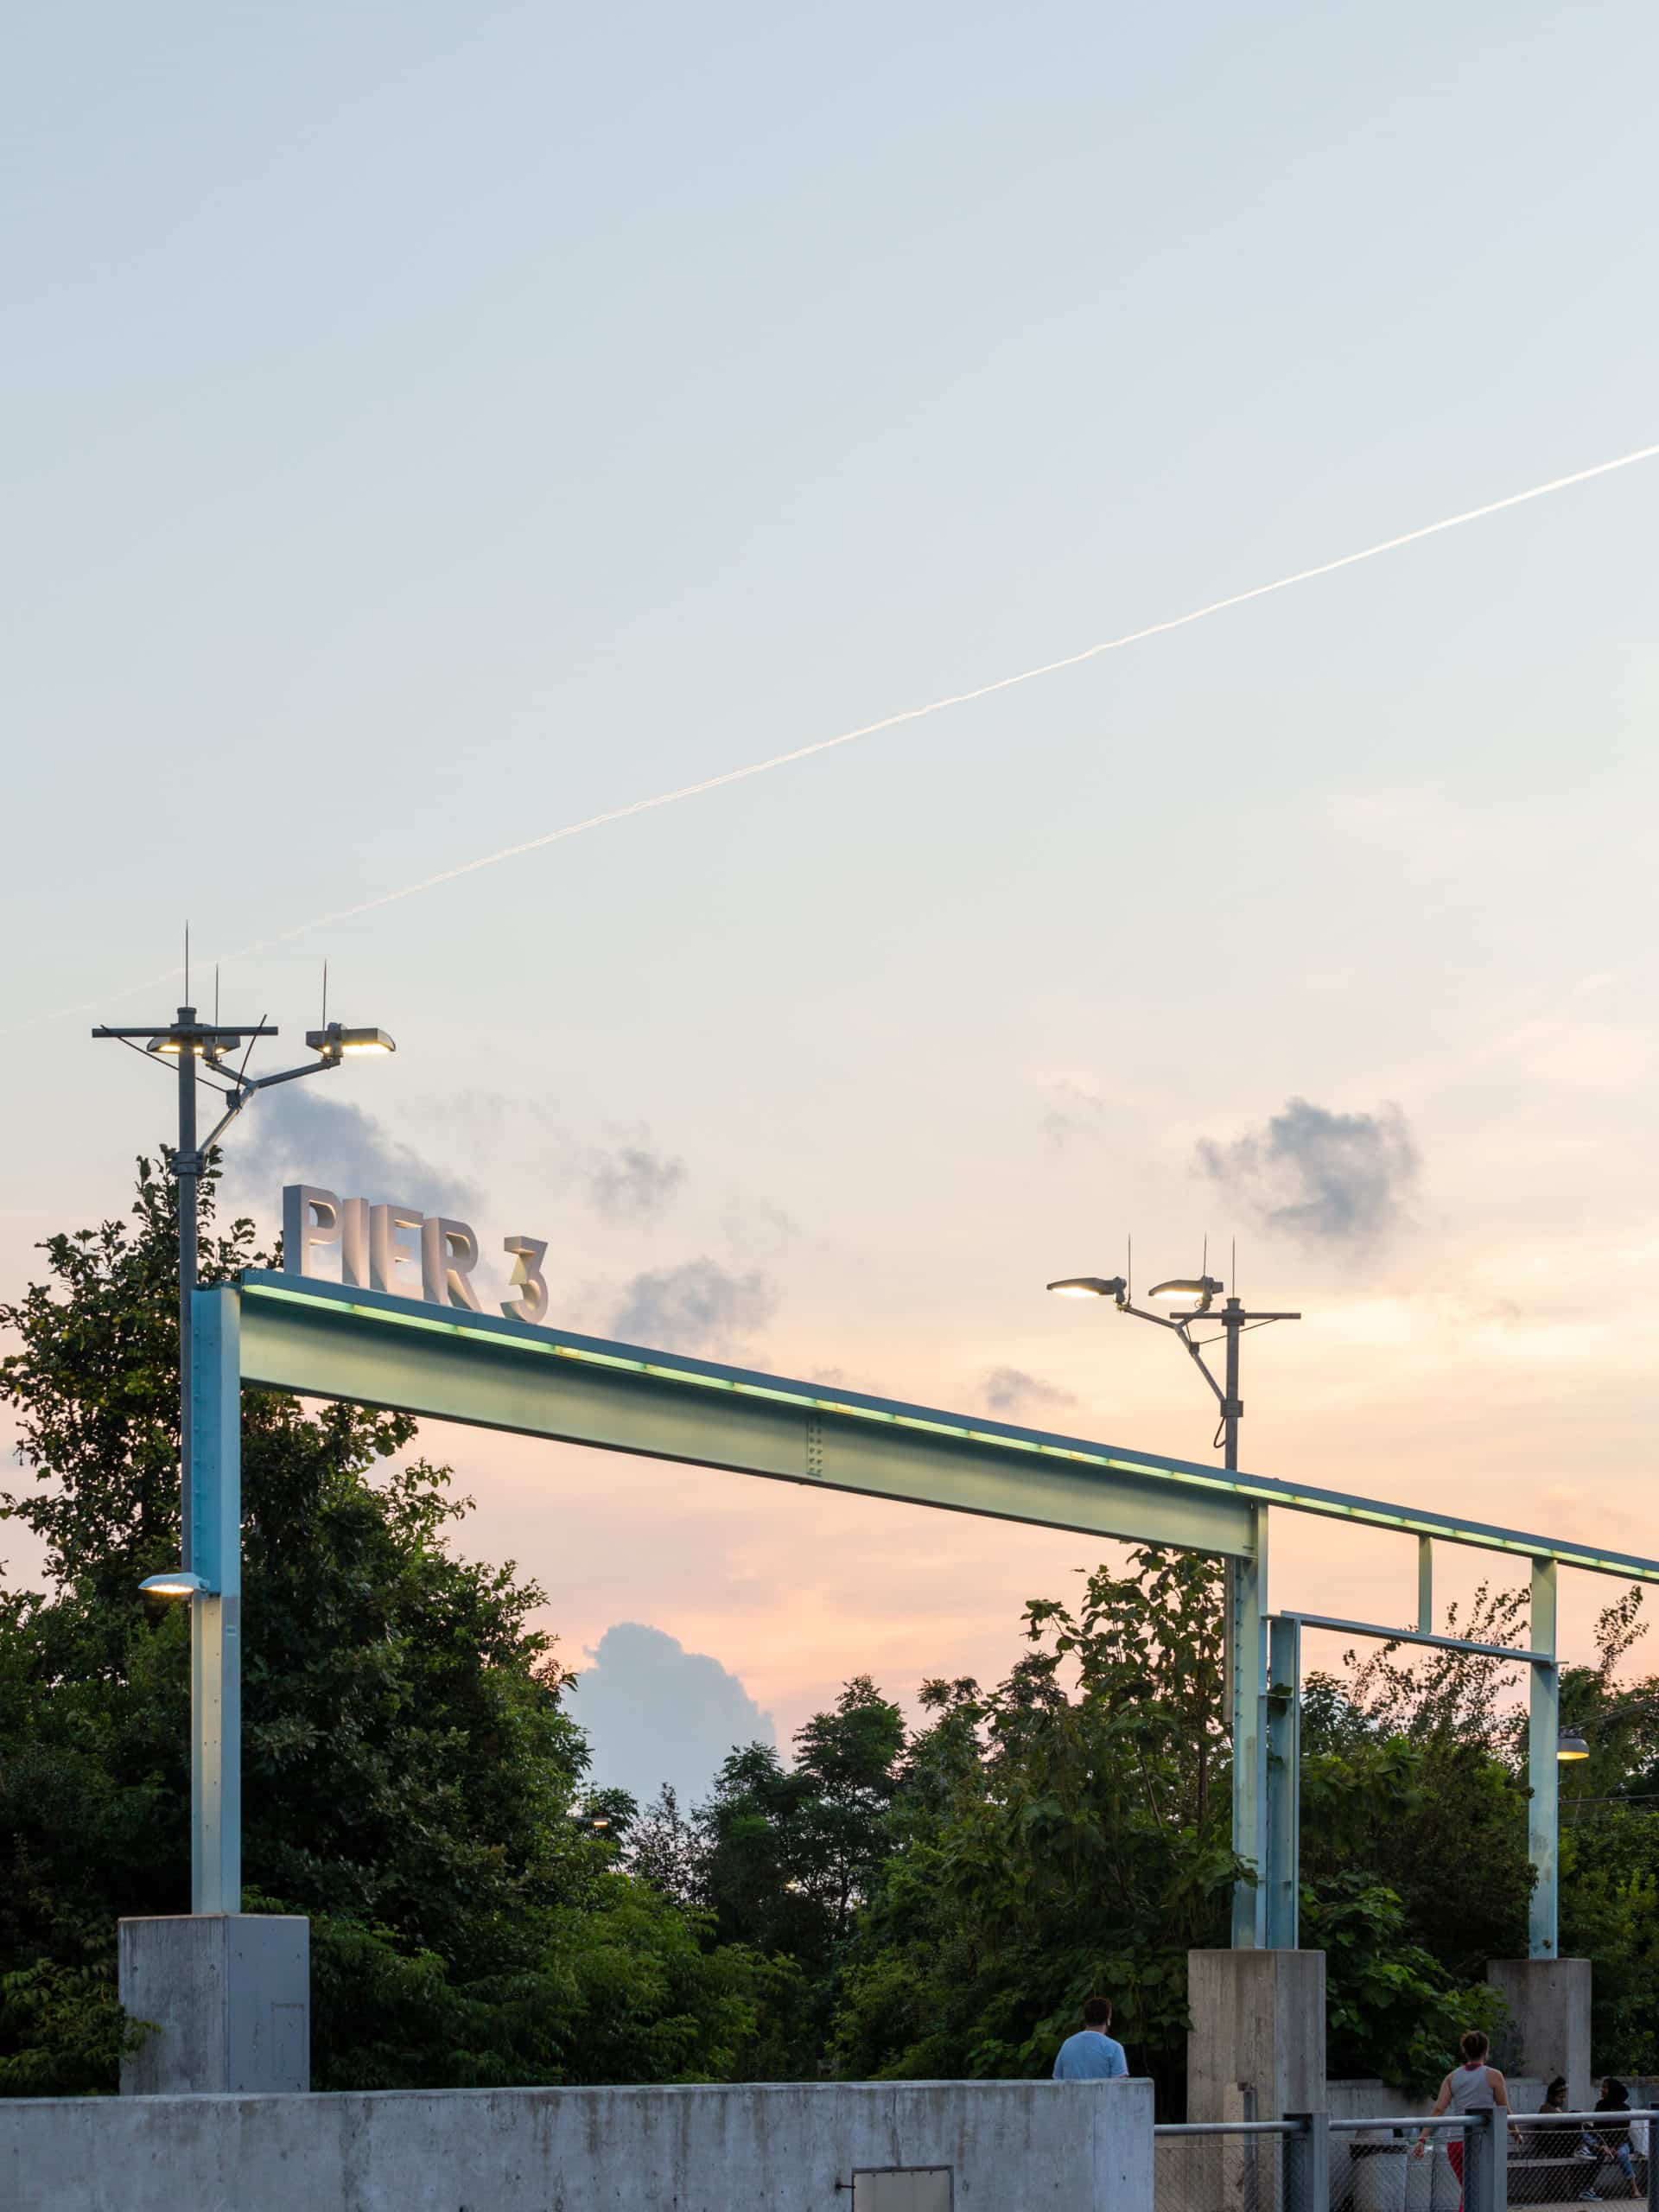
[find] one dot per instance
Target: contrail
(888, 722)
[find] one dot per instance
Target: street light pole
(208, 1577)
(1244, 1581)
(186, 1170)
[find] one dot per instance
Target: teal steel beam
(1543, 1768)
(385, 1352)
(1247, 1589)
(215, 1483)
(1283, 1875)
(322, 1339)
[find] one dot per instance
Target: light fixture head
(177, 1582)
(1091, 1287)
(1571, 1746)
(207, 1048)
(1200, 1289)
(337, 1040)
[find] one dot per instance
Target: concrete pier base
(1255, 2049)
(229, 1994)
(1550, 2022)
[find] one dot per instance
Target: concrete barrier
(1011, 2146)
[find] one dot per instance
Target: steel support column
(1249, 1586)
(1543, 1770)
(1283, 1872)
(216, 1613)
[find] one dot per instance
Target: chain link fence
(1226, 2167)
(1449, 2165)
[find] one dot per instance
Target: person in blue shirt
(1091, 2055)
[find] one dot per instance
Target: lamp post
(1202, 1290)
(1244, 1593)
(208, 1577)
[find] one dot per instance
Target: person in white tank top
(1473, 2087)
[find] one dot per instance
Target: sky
(425, 428)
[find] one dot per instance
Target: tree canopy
(412, 1778)
(893, 1900)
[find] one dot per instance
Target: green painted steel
(215, 1447)
(1543, 1770)
(1249, 1586)
(320, 1339)
(379, 1351)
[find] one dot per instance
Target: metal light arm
(245, 1089)
(1158, 1320)
(1197, 1351)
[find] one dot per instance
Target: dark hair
(1557, 2087)
(1097, 2012)
(1474, 2045)
(1614, 2090)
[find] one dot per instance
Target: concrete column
(1255, 2049)
(1549, 2021)
(229, 1995)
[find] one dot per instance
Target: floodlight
(1202, 1288)
(335, 1039)
(178, 1582)
(1572, 1746)
(1089, 1286)
(207, 1048)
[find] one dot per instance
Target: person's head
(1474, 2047)
(1615, 2091)
(1097, 2013)
(1555, 2095)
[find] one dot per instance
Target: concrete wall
(1255, 2049)
(1014, 2146)
(1362, 2100)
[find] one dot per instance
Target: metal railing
(1242, 2165)
(1469, 2162)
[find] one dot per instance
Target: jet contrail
(888, 722)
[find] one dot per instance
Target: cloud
(631, 1184)
(756, 1228)
(1325, 1178)
(1011, 1390)
(699, 1306)
(656, 1713)
(298, 1138)
(1073, 1112)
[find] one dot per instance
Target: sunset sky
(425, 429)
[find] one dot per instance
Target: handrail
(1515, 2119)
(1227, 2127)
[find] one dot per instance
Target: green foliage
(412, 1780)
(62, 2030)
(1055, 1841)
(786, 1854)
(935, 1905)
(1392, 2010)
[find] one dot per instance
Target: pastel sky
(425, 426)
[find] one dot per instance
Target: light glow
(178, 1582)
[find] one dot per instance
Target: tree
(787, 1852)
(1054, 1843)
(412, 1780)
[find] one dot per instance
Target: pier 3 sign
(400, 1250)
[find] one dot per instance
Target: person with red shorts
(1473, 2087)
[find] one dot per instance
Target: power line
(884, 722)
